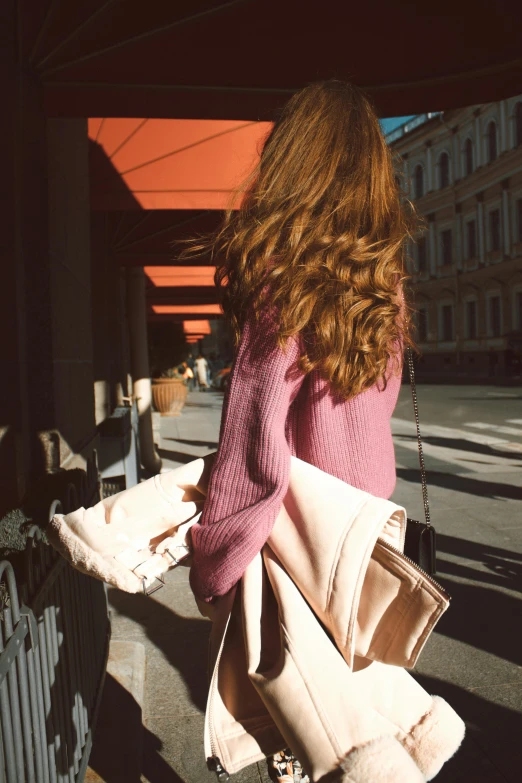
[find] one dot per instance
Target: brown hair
(320, 236)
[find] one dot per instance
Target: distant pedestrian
(202, 372)
(211, 367)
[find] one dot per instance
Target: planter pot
(169, 395)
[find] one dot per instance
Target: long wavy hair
(320, 236)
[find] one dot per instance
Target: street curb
(127, 665)
(118, 740)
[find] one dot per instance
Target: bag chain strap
(409, 356)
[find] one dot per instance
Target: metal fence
(54, 638)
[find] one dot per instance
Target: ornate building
(463, 171)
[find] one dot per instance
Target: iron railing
(54, 638)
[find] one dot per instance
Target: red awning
(170, 276)
(170, 164)
(196, 328)
(241, 60)
(185, 310)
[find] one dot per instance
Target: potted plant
(169, 392)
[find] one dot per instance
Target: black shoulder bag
(420, 543)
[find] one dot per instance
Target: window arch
(518, 124)
(468, 157)
(418, 181)
(491, 137)
(444, 170)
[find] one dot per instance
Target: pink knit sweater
(271, 410)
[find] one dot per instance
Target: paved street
(473, 450)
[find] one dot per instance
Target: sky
(390, 123)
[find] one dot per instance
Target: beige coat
(308, 650)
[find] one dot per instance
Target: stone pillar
(456, 154)
(406, 173)
(480, 229)
(69, 243)
(48, 405)
(15, 434)
(137, 310)
(506, 203)
(109, 320)
(478, 142)
(459, 245)
(503, 127)
(432, 245)
(429, 167)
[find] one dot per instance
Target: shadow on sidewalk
(483, 618)
(183, 641)
(477, 487)
(481, 615)
(154, 766)
(209, 444)
(460, 444)
(504, 566)
(123, 749)
(176, 456)
(491, 751)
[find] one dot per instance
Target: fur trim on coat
(435, 738)
(383, 760)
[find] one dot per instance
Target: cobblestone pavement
(473, 444)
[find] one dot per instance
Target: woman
(313, 263)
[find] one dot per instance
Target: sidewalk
(175, 637)
(473, 660)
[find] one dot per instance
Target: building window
(444, 170)
(447, 323)
(518, 124)
(446, 242)
(494, 229)
(494, 316)
(492, 141)
(471, 239)
(471, 320)
(422, 257)
(468, 157)
(418, 181)
(422, 325)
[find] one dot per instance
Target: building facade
(462, 170)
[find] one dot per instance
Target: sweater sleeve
(250, 475)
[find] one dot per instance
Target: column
(478, 143)
(406, 173)
(71, 284)
(15, 440)
(429, 166)
(480, 229)
(506, 223)
(503, 127)
(432, 245)
(459, 250)
(456, 155)
(137, 313)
